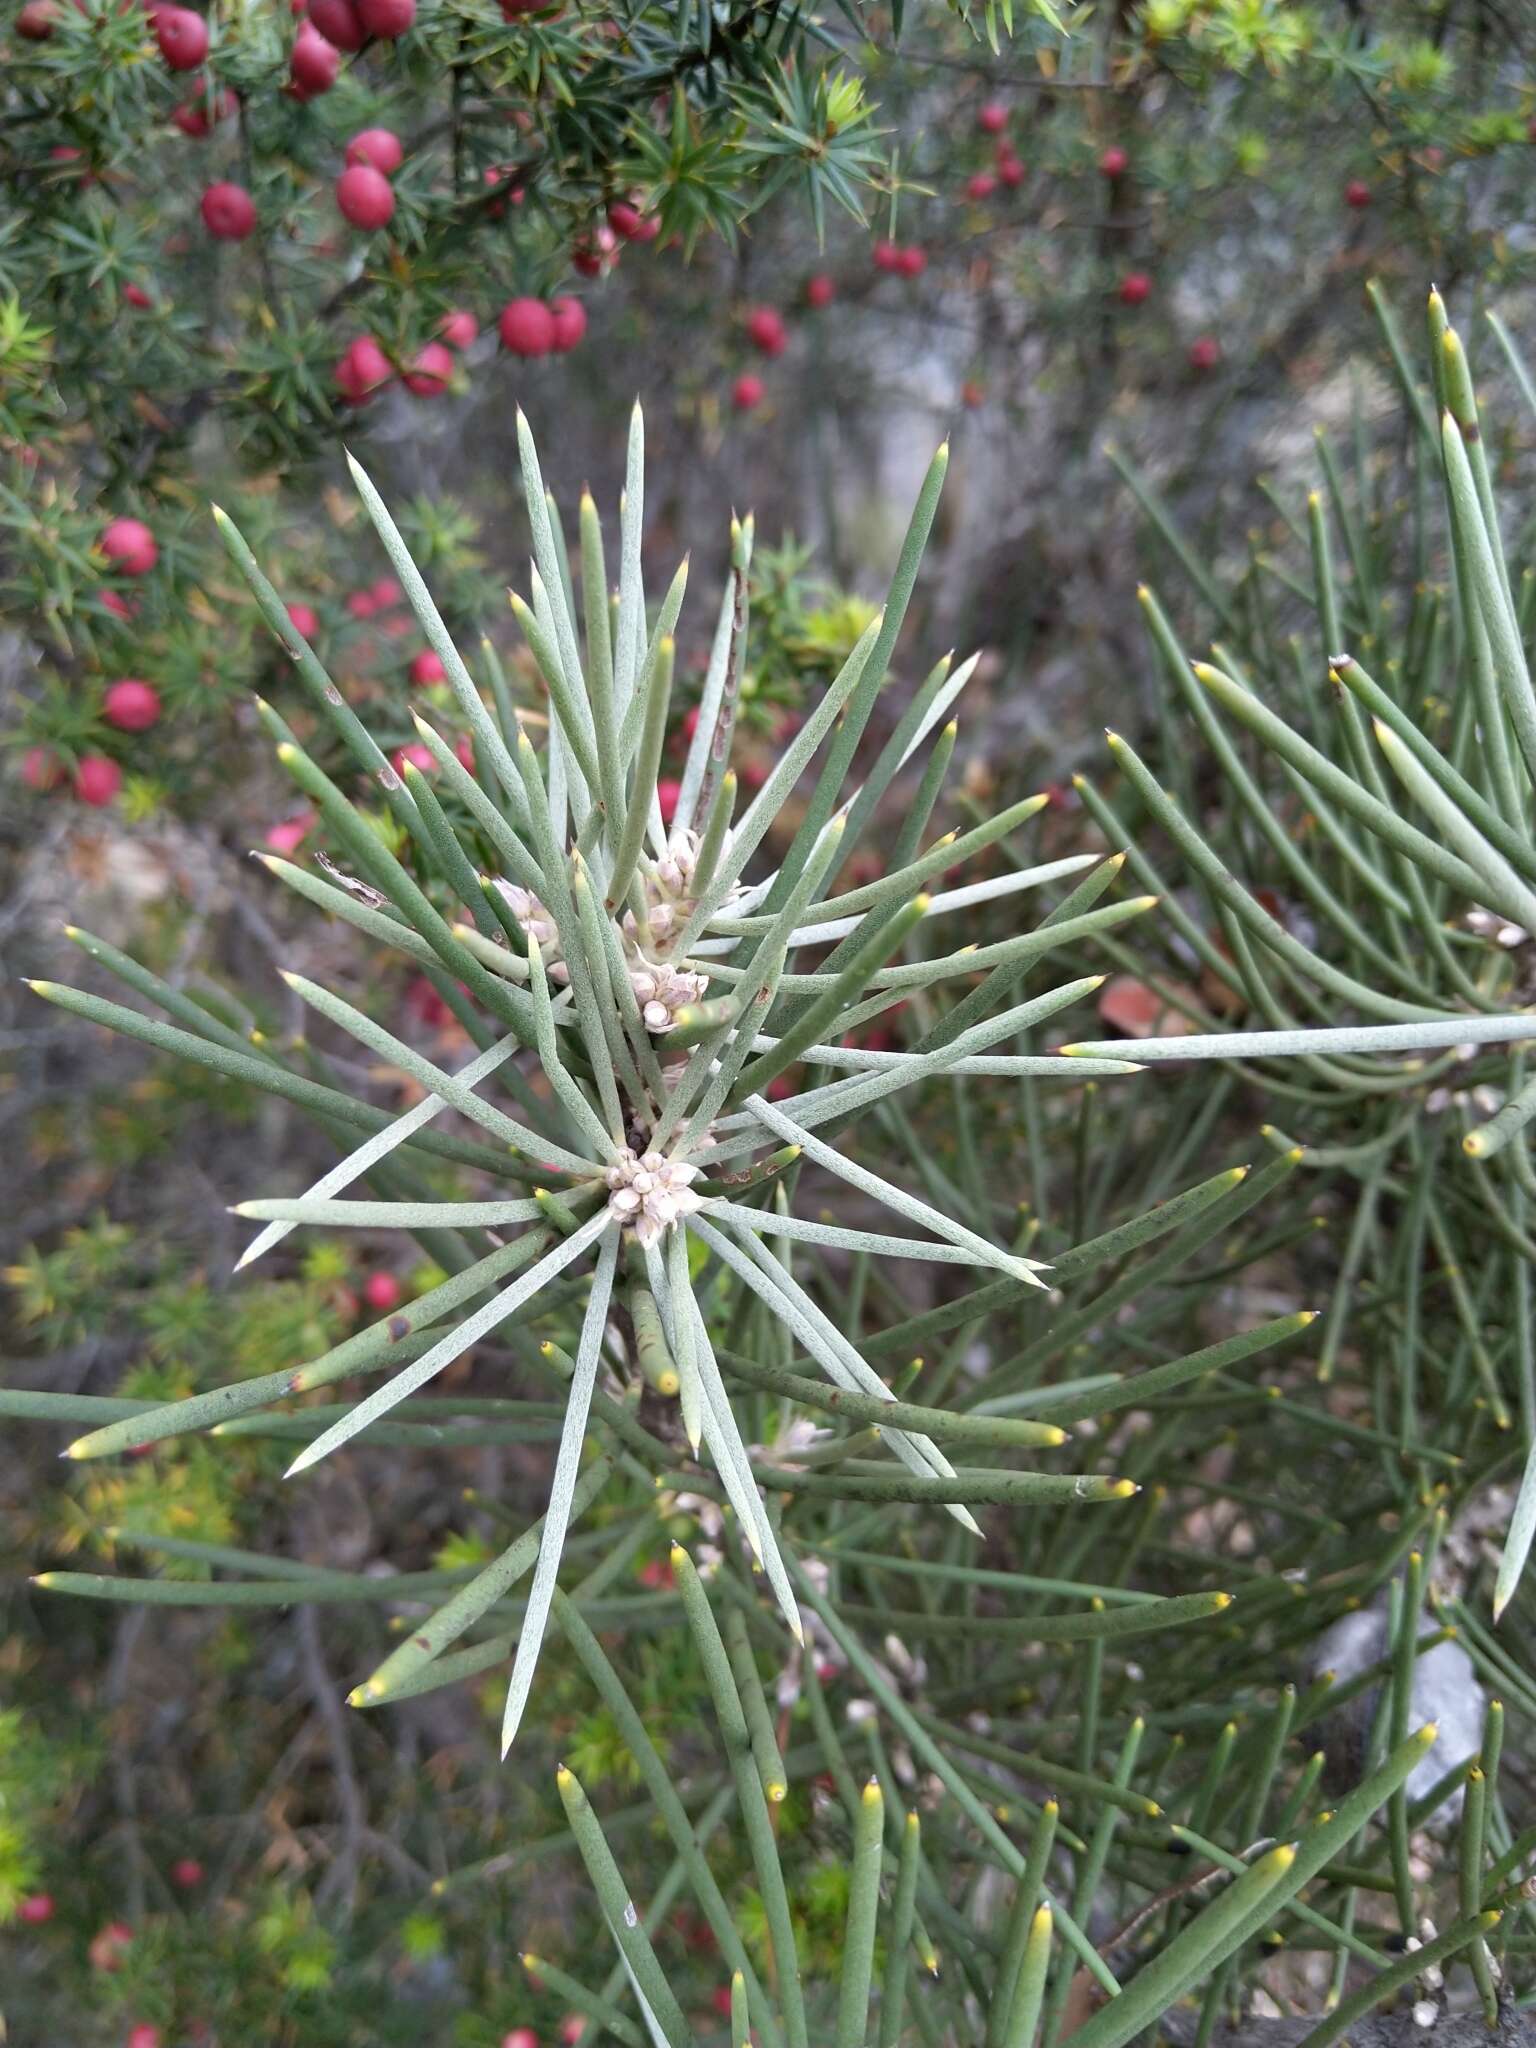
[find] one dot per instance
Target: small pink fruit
(385, 591)
(387, 18)
(36, 19)
(129, 546)
(365, 197)
(572, 2027)
(627, 221)
(289, 834)
(131, 705)
(527, 327)
(114, 602)
(182, 36)
(314, 63)
(1135, 288)
(1115, 162)
(97, 781)
(338, 21)
(667, 795)
(187, 1873)
(972, 394)
(747, 392)
(459, 328)
(1357, 194)
(426, 668)
(888, 257)
(720, 1999)
(820, 291)
(37, 1909)
(980, 185)
(41, 768)
(106, 1949)
(1204, 352)
(194, 118)
(520, 2037)
(912, 261)
(464, 752)
(143, 2035)
(992, 119)
(570, 318)
(416, 756)
(1010, 171)
(361, 605)
(380, 147)
(135, 295)
(362, 370)
(766, 331)
(305, 619)
(431, 372)
(229, 212)
(382, 1290)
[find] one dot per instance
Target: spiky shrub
(636, 986)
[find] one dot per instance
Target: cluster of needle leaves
(956, 1469)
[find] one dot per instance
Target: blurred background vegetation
(1103, 242)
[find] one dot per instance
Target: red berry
(229, 212)
(431, 372)
(289, 834)
(36, 1910)
(129, 546)
(520, 2037)
(135, 295)
(114, 602)
(305, 619)
(131, 705)
(421, 758)
(194, 118)
(338, 21)
(380, 147)
(1009, 169)
(720, 1998)
(629, 223)
(360, 373)
(912, 261)
(427, 668)
(361, 605)
(387, 18)
(458, 328)
(572, 2027)
(820, 291)
(40, 769)
(187, 1873)
(313, 64)
(992, 118)
(972, 394)
(747, 392)
(1135, 288)
(385, 591)
(1204, 352)
(1357, 194)
(980, 185)
(766, 331)
(365, 197)
(1115, 162)
(888, 257)
(143, 2035)
(35, 21)
(527, 327)
(570, 318)
(667, 794)
(97, 781)
(382, 1290)
(182, 36)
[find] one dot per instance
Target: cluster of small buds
(536, 921)
(650, 1192)
(668, 885)
(662, 990)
